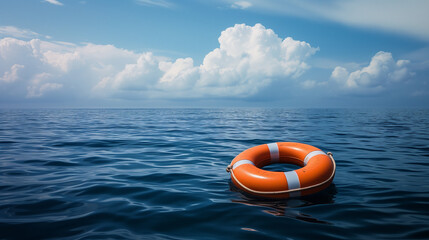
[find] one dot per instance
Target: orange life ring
(317, 172)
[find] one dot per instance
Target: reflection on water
(288, 207)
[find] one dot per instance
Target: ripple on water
(160, 174)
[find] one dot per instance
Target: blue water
(160, 174)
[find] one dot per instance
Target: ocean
(160, 174)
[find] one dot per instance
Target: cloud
(11, 75)
(397, 16)
(11, 31)
(40, 84)
(55, 2)
(241, 4)
(157, 3)
(308, 84)
(381, 71)
(36, 68)
(248, 59)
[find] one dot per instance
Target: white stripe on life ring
(242, 162)
(292, 180)
(312, 154)
(274, 152)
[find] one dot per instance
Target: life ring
(316, 174)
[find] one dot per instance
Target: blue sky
(190, 53)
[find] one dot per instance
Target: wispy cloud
(397, 16)
(55, 2)
(11, 31)
(241, 4)
(156, 3)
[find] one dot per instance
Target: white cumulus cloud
(12, 75)
(381, 71)
(40, 84)
(248, 59)
(34, 68)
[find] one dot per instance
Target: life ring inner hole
(281, 167)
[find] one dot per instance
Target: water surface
(160, 174)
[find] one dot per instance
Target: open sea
(160, 174)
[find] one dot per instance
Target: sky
(207, 53)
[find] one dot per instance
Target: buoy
(316, 174)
